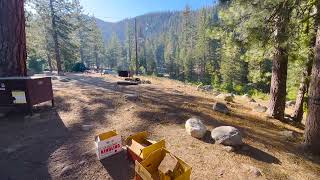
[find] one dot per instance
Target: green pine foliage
(229, 45)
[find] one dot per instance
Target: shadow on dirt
(118, 166)
(27, 143)
(258, 155)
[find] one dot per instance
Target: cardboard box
(139, 146)
(148, 169)
(108, 144)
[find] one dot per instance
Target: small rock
(220, 108)
(195, 127)
(227, 135)
(131, 97)
(66, 170)
(87, 127)
(204, 88)
(260, 108)
(207, 88)
(228, 148)
(147, 82)
(253, 170)
(226, 97)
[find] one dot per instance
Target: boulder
(220, 107)
(260, 108)
(227, 135)
(195, 127)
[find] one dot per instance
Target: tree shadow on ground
(258, 155)
(158, 104)
(118, 166)
(27, 143)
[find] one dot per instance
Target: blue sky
(116, 10)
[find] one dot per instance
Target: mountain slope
(151, 24)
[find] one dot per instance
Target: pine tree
(13, 45)
(312, 130)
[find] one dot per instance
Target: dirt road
(52, 145)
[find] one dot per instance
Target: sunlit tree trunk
(280, 65)
(55, 37)
(297, 114)
(312, 130)
(13, 52)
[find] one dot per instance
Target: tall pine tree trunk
(280, 65)
(312, 130)
(49, 61)
(13, 52)
(81, 45)
(48, 54)
(55, 37)
(96, 56)
(297, 114)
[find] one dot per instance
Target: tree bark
(55, 38)
(96, 56)
(297, 114)
(280, 65)
(13, 52)
(312, 130)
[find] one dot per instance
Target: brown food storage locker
(25, 92)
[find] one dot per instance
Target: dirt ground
(52, 144)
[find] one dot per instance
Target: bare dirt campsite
(55, 143)
(159, 90)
